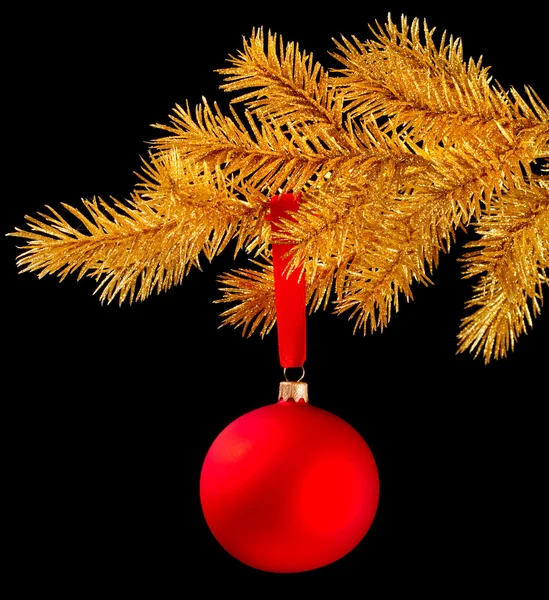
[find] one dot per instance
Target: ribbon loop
(290, 289)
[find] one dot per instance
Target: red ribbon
(290, 292)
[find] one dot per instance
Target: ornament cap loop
(300, 378)
(296, 391)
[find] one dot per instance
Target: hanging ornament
(289, 487)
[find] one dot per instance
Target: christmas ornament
(289, 487)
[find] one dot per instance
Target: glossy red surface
(289, 487)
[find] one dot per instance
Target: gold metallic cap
(293, 390)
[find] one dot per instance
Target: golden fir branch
(392, 153)
(430, 90)
(252, 295)
(403, 72)
(378, 257)
(511, 264)
(278, 157)
(141, 245)
(251, 291)
(286, 84)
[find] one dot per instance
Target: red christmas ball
(289, 487)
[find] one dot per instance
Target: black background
(108, 411)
